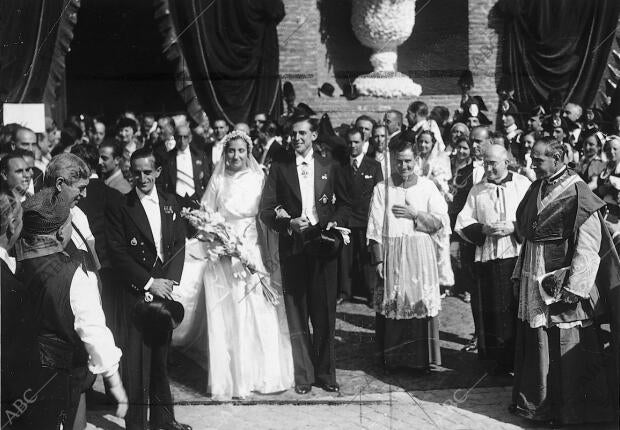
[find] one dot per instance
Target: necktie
(355, 166)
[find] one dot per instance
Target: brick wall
(485, 31)
(317, 45)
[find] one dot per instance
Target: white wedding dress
(227, 318)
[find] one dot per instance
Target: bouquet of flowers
(223, 242)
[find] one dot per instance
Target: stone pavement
(462, 393)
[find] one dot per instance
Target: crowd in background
(455, 153)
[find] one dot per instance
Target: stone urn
(383, 25)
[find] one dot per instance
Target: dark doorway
(116, 64)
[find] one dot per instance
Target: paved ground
(462, 393)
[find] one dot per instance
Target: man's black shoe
(332, 388)
(303, 388)
(174, 425)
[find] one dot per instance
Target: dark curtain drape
(29, 34)
(226, 55)
(557, 46)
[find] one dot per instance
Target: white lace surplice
(412, 290)
(248, 339)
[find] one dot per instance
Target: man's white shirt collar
(511, 129)
(299, 159)
(152, 196)
(418, 125)
(10, 261)
(359, 159)
(183, 152)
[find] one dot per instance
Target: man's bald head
(25, 139)
(479, 135)
(496, 152)
(572, 111)
(242, 126)
(495, 162)
(479, 139)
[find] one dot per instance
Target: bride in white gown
(249, 348)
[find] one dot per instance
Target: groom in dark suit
(146, 241)
(302, 191)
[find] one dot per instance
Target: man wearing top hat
(146, 242)
(303, 193)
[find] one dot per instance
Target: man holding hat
(146, 239)
(68, 320)
(307, 193)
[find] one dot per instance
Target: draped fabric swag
(557, 46)
(226, 55)
(35, 36)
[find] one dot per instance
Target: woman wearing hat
(248, 339)
(405, 212)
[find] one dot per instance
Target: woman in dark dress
(461, 252)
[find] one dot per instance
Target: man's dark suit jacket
(132, 247)
(394, 141)
(331, 197)
(20, 349)
(202, 169)
(368, 174)
(99, 199)
(37, 179)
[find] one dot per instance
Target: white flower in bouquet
(222, 242)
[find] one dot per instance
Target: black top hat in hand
(157, 318)
(322, 244)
